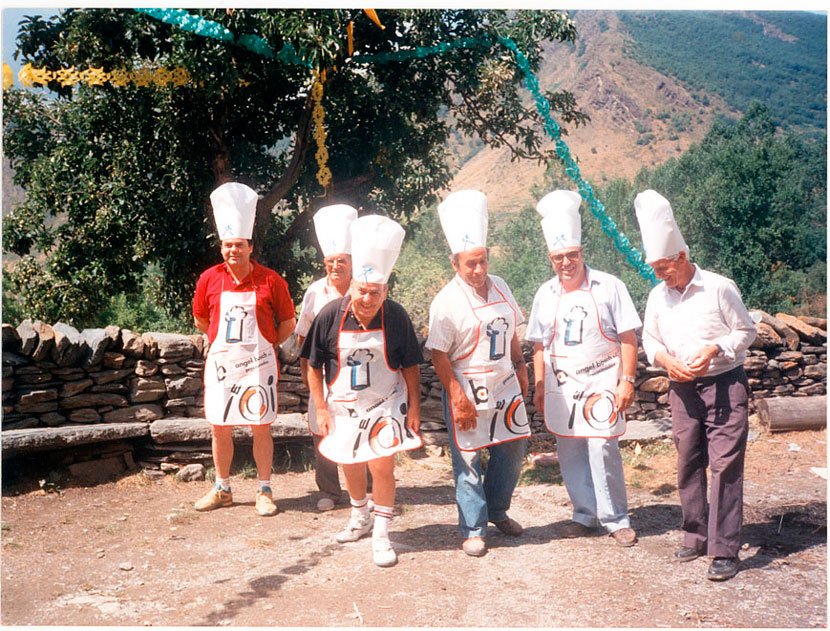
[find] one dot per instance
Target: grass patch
(540, 474)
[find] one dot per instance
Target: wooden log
(786, 414)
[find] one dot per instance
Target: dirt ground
(134, 552)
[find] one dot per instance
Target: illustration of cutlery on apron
(582, 368)
(489, 381)
(241, 371)
(367, 401)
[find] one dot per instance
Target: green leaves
(127, 171)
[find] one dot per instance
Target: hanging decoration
(317, 115)
(29, 76)
(208, 28)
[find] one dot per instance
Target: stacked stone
(56, 375)
(789, 357)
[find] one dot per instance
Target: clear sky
(10, 19)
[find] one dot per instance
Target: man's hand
(464, 412)
(623, 396)
(678, 371)
(699, 363)
(323, 421)
(413, 421)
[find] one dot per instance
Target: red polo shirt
(273, 302)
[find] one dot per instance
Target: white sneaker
(325, 503)
(383, 553)
(358, 526)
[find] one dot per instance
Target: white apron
(582, 368)
(489, 381)
(241, 371)
(367, 401)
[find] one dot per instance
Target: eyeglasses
(573, 257)
(331, 262)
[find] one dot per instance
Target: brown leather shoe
(510, 527)
(474, 546)
(625, 537)
(573, 529)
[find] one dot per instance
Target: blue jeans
(482, 498)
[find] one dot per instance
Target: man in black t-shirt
(365, 348)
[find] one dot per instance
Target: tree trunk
(288, 178)
(785, 414)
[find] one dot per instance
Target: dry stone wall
(55, 375)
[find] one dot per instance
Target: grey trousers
(325, 473)
(710, 426)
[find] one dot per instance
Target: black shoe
(723, 568)
(687, 554)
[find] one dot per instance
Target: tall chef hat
(463, 218)
(661, 236)
(561, 222)
(331, 223)
(376, 242)
(234, 210)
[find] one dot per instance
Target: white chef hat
(331, 223)
(463, 218)
(376, 242)
(234, 210)
(661, 236)
(561, 222)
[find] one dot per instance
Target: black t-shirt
(320, 345)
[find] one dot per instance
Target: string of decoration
(318, 115)
(208, 28)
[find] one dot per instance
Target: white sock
(360, 507)
(225, 483)
(265, 484)
(383, 516)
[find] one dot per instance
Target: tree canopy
(118, 178)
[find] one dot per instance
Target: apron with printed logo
(582, 368)
(489, 381)
(367, 401)
(241, 371)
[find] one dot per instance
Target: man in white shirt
(698, 329)
(583, 325)
(478, 358)
(331, 224)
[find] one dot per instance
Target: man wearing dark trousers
(698, 329)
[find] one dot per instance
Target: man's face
(671, 271)
(236, 251)
(367, 298)
(338, 267)
(471, 266)
(568, 263)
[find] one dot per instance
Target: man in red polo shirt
(247, 312)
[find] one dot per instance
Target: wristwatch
(628, 378)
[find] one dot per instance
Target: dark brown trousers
(710, 426)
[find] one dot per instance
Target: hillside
(639, 116)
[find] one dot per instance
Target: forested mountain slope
(652, 84)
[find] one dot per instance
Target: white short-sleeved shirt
(453, 326)
(708, 311)
(617, 313)
(317, 296)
